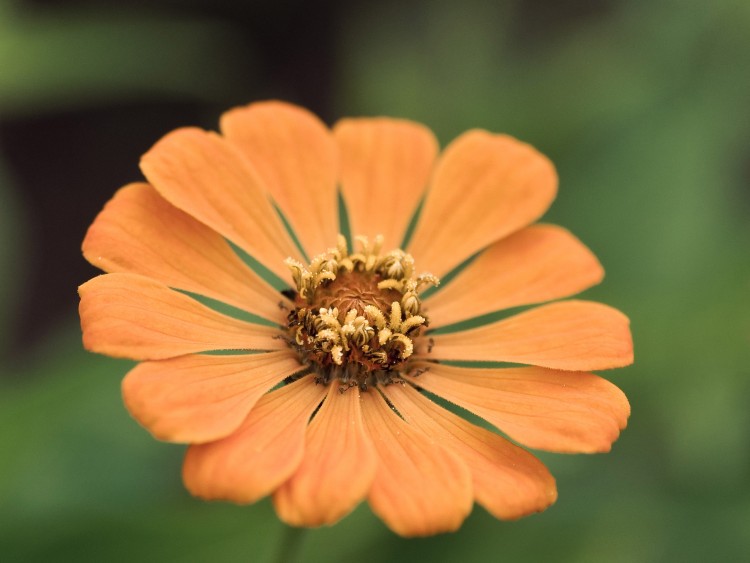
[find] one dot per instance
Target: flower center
(356, 314)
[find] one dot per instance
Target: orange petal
(385, 166)
(139, 232)
(295, 156)
(338, 466)
(205, 176)
(202, 398)
(547, 409)
(539, 263)
(508, 481)
(420, 488)
(485, 187)
(129, 316)
(571, 335)
(262, 453)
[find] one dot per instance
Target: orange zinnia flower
(327, 400)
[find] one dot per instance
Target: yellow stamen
(357, 313)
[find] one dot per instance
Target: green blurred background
(643, 105)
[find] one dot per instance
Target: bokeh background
(643, 105)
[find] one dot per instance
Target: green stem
(290, 542)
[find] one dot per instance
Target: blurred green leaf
(52, 58)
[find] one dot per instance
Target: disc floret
(356, 314)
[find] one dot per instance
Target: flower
(327, 397)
